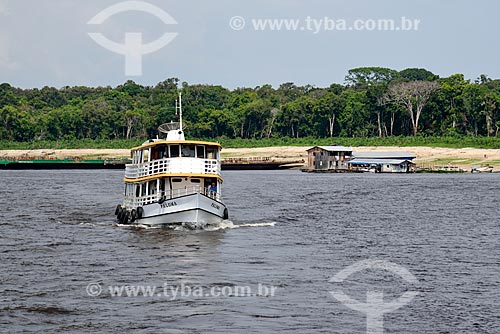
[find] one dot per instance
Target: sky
(47, 42)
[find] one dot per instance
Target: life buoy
(118, 209)
(125, 218)
(133, 215)
(120, 215)
(226, 214)
(140, 212)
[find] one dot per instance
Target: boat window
(152, 187)
(200, 151)
(176, 180)
(174, 151)
(155, 153)
(164, 186)
(145, 155)
(188, 151)
(162, 151)
(195, 181)
(212, 152)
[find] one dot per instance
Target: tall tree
(413, 96)
(417, 74)
(366, 76)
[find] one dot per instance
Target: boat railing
(133, 202)
(173, 166)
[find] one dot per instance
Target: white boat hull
(195, 209)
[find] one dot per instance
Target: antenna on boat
(178, 108)
(174, 130)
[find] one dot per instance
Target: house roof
(384, 155)
(333, 148)
(357, 161)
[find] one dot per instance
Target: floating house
(328, 158)
(383, 162)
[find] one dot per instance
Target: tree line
(372, 102)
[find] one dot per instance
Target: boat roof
(170, 142)
(384, 155)
(336, 148)
(378, 161)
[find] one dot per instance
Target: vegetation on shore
(374, 107)
(446, 142)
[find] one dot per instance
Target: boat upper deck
(170, 158)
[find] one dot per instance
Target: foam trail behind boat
(228, 225)
(225, 225)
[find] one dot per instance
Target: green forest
(375, 105)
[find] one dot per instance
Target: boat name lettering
(167, 205)
(215, 206)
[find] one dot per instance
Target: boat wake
(229, 225)
(225, 225)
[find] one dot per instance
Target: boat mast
(178, 108)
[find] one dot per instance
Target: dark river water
(61, 256)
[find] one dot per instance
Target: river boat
(172, 180)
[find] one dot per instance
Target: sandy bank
(465, 157)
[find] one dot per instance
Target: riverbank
(426, 156)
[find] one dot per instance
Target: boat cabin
(162, 170)
(175, 150)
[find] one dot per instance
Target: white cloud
(4, 8)
(4, 48)
(6, 62)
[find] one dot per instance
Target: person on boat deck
(213, 189)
